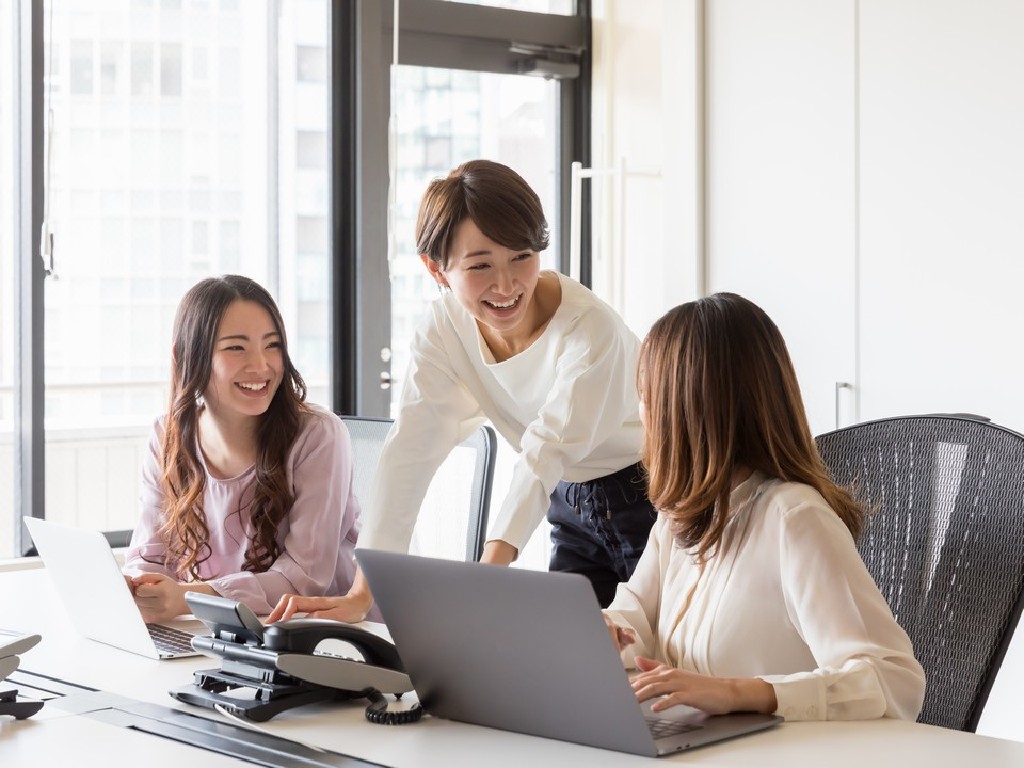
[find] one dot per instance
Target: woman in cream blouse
(750, 594)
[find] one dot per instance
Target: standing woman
(750, 595)
(541, 357)
(246, 488)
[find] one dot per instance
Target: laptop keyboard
(660, 728)
(169, 639)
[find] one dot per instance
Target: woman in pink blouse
(246, 488)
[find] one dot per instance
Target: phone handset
(291, 647)
(296, 641)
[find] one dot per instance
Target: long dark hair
(719, 392)
(184, 527)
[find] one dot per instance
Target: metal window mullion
(29, 392)
(575, 146)
(342, 79)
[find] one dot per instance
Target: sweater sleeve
(866, 667)
(146, 552)
(436, 413)
(322, 525)
(595, 373)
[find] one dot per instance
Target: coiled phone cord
(377, 710)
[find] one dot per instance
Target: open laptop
(93, 589)
(525, 651)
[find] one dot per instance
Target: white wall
(646, 220)
(863, 181)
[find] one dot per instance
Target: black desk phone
(11, 647)
(290, 663)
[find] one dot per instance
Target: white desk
(28, 604)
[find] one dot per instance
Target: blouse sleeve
(595, 375)
(437, 411)
(636, 601)
(146, 551)
(866, 666)
(319, 522)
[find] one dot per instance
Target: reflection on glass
(445, 117)
(171, 162)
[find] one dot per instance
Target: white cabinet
(942, 207)
(780, 164)
(866, 187)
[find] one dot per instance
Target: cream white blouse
(786, 599)
(567, 404)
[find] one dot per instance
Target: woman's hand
(714, 695)
(160, 598)
(351, 608)
(621, 636)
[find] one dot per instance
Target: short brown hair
(719, 391)
(496, 198)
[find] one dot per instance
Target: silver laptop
(97, 599)
(525, 651)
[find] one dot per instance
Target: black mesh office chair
(456, 505)
(945, 543)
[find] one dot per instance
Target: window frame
(475, 37)
(432, 33)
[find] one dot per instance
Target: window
(166, 167)
(8, 172)
(195, 138)
(457, 94)
(447, 117)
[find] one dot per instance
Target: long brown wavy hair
(719, 392)
(184, 530)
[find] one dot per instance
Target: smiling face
(495, 284)
(248, 362)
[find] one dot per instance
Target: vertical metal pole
(29, 455)
(342, 84)
(575, 218)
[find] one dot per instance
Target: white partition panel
(781, 178)
(942, 212)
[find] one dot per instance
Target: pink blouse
(316, 538)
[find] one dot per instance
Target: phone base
(272, 693)
(19, 710)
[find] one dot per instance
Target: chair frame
(483, 442)
(1012, 617)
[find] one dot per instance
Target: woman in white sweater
(750, 595)
(549, 364)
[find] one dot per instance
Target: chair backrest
(944, 542)
(453, 517)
